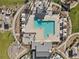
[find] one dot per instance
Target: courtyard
(38, 29)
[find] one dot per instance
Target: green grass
(6, 39)
(11, 2)
(74, 14)
(56, 1)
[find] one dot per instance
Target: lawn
(74, 14)
(11, 2)
(6, 39)
(56, 1)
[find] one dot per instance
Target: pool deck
(39, 32)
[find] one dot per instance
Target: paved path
(15, 17)
(14, 34)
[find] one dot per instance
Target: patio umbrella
(61, 21)
(23, 25)
(64, 34)
(61, 32)
(65, 19)
(23, 30)
(23, 14)
(64, 23)
(23, 19)
(65, 30)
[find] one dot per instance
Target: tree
(26, 1)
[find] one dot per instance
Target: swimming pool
(47, 26)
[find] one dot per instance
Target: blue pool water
(47, 26)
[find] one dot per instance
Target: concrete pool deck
(39, 32)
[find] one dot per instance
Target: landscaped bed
(6, 38)
(74, 14)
